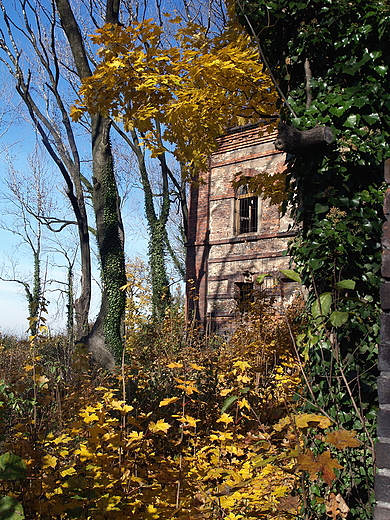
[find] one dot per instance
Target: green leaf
(372, 118)
(381, 69)
(228, 402)
(321, 306)
(11, 509)
(12, 467)
(261, 277)
(345, 284)
(321, 208)
(337, 111)
(352, 121)
(338, 318)
(292, 275)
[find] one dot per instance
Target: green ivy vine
(113, 266)
(337, 204)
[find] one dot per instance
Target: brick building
(233, 235)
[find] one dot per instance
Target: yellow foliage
(193, 91)
(160, 449)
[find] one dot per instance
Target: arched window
(247, 211)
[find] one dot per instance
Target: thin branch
(256, 38)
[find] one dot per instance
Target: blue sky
(19, 142)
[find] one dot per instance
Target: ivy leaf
(337, 111)
(321, 208)
(352, 121)
(372, 118)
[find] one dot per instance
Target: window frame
(247, 202)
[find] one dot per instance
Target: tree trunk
(157, 232)
(105, 341)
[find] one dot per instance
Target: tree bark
(297, 142)
(106, 337)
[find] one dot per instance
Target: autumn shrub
(196, 432)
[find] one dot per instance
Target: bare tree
(27, 199)
(45, 76)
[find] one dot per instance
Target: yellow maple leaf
(306, 420)
(196, 367)
(328, 465)
(159, 426)
(84, 452)
(88, 418)
(121, 406)
(151, 513)
(49, 461)
(242, 365)
(342, 439)
(226, 391)
(225, 418)
(282, 423)
(175, 365)
(67, 471)
(168, 400)
(188, 420)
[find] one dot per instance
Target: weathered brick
(386, 263)
(386, 204)
(385, 327)
(383, 427)
(382, 488)
(386, 234)
(387, 171)
(381, 513)
(382, 451)
(384, 357)
(215, 248)
(383, 389)
(385, 296)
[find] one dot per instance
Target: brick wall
(382, 479)
(219, 258)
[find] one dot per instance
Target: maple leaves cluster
(182, 97)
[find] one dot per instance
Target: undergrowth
(184, 429)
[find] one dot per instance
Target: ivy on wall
(331, 60)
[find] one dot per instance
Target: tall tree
(331, 61)
(108, 328)
(43, 81)
(28, 30)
